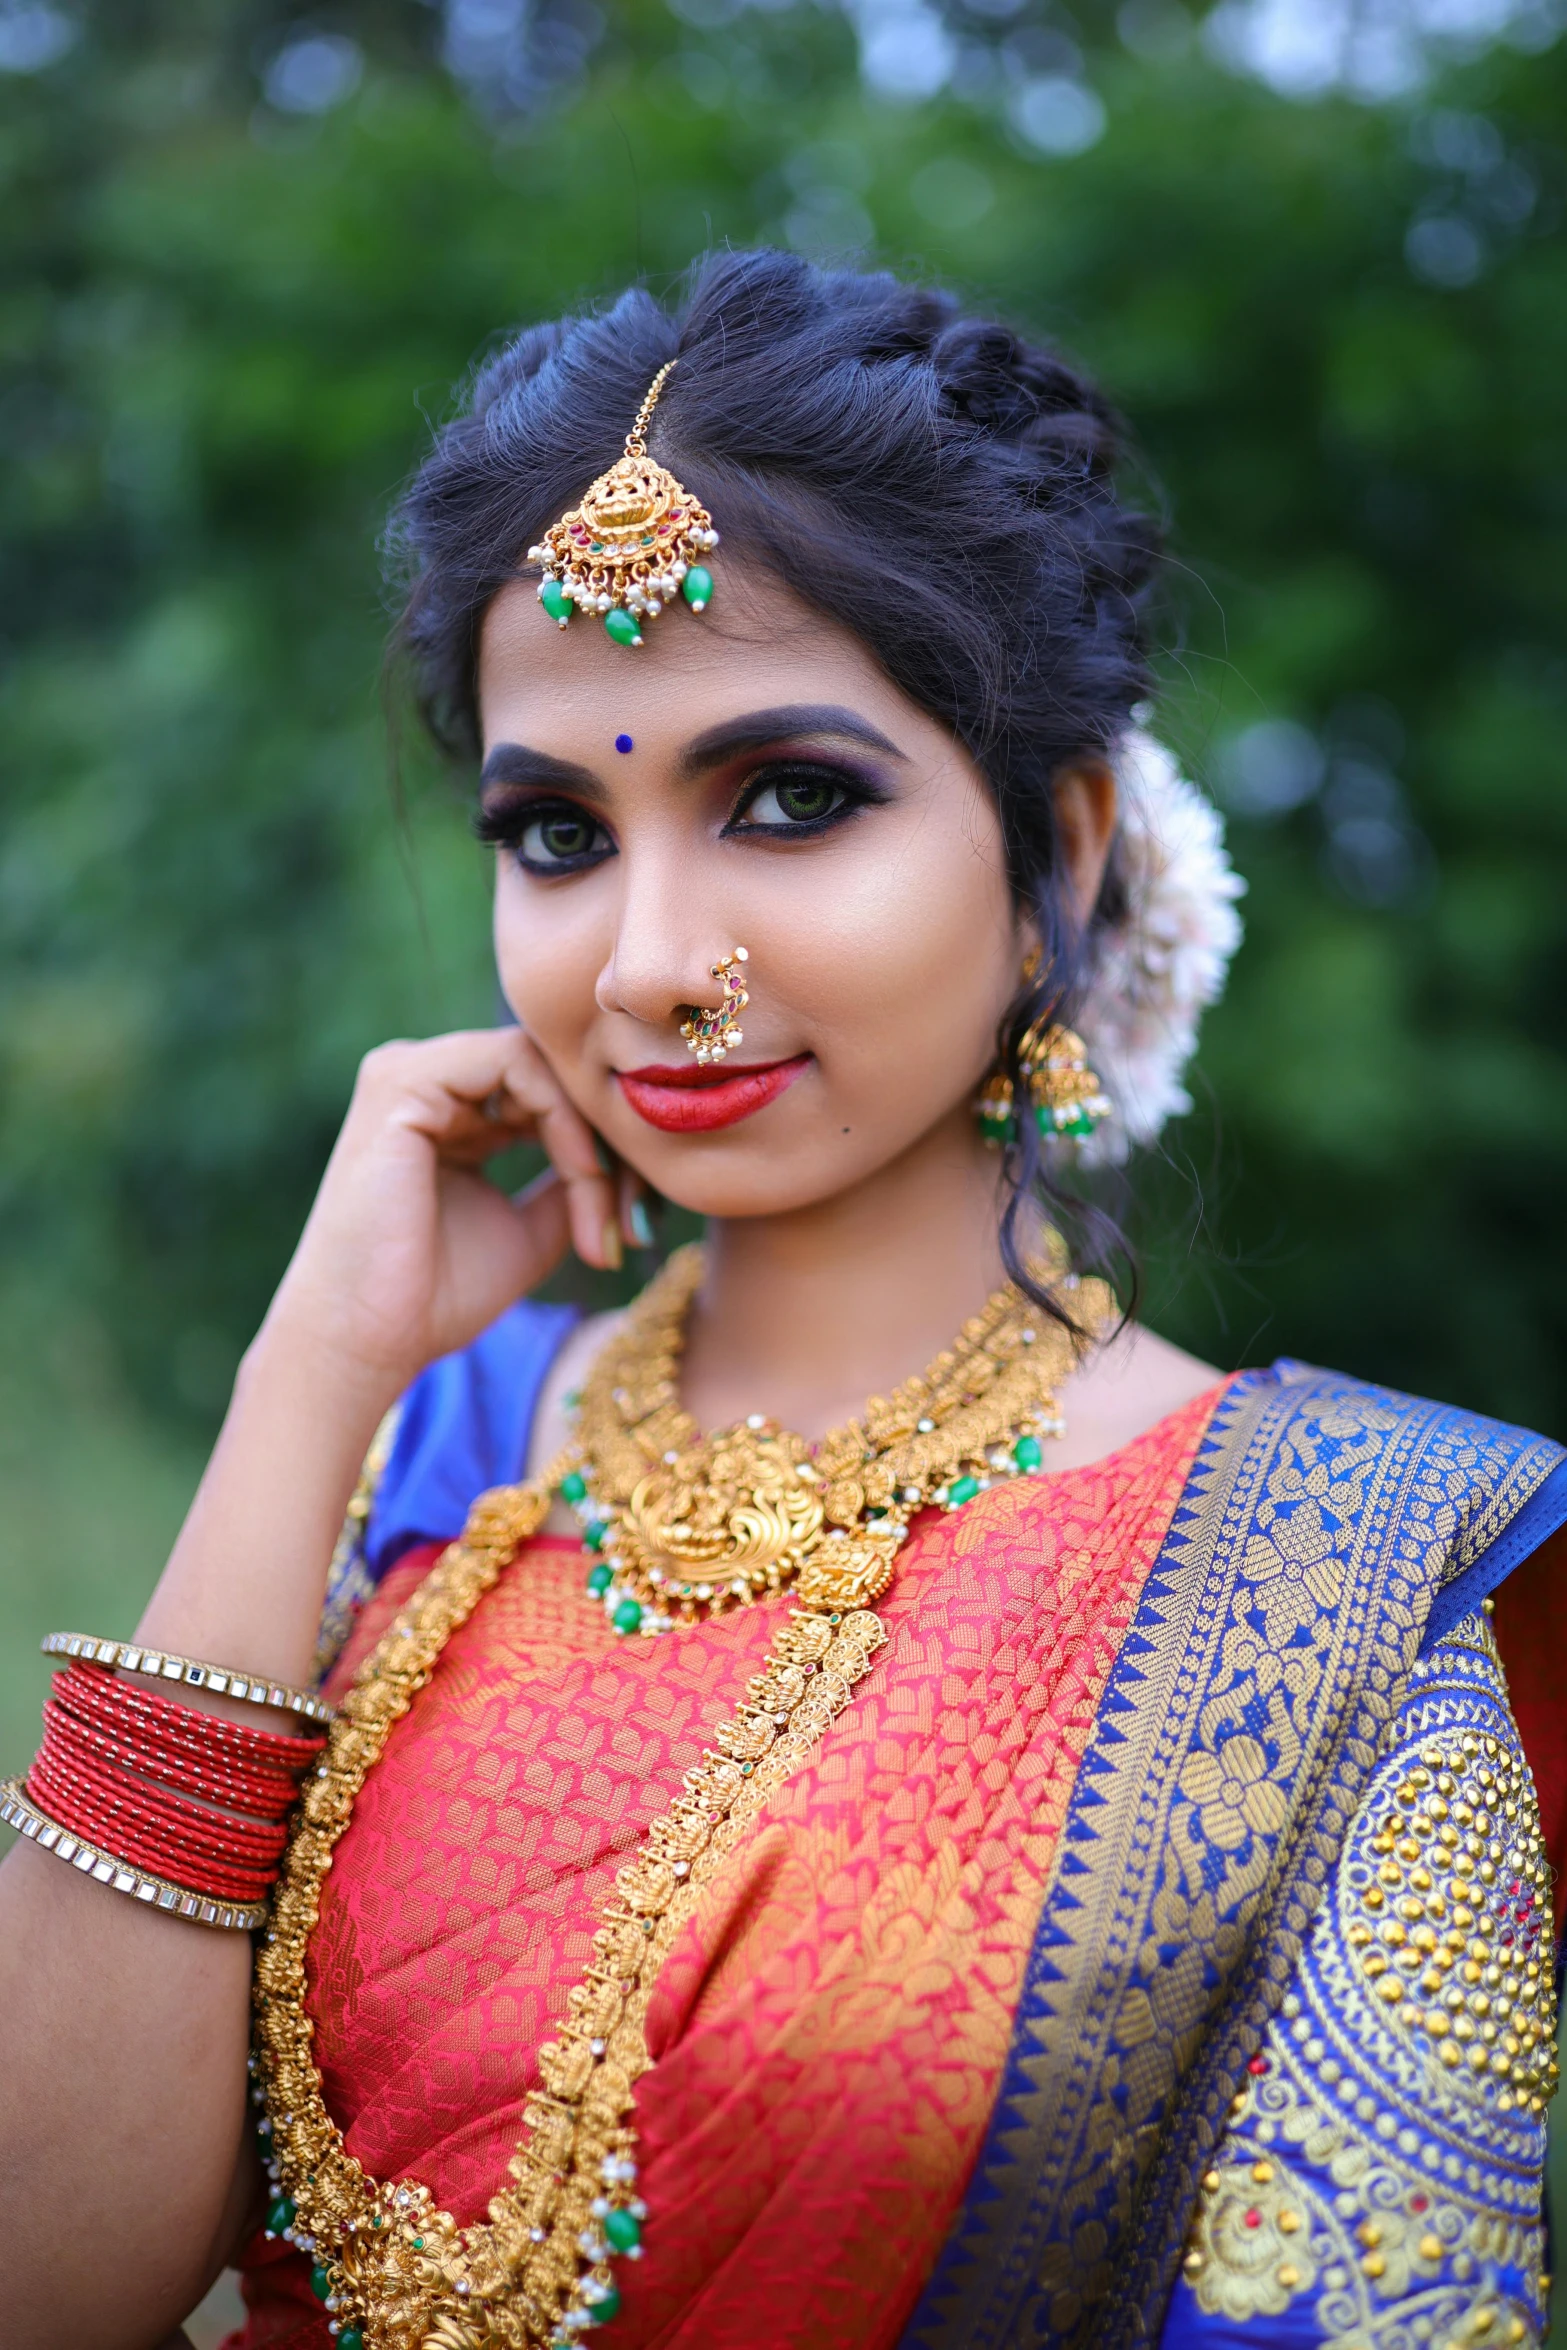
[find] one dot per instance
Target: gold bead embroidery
(1399, 2250)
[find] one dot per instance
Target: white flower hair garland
(1155, 973)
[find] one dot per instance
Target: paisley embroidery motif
(1384, 2159)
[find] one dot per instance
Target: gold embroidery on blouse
(1421, 2228)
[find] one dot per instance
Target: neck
(803, 1316)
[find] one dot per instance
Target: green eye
(797, 799)
(559, 839)
(801, 802)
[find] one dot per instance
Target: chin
(728, 1177)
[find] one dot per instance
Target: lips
(696, 1101)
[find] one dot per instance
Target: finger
(573, 1151)
(635, 1222)
(542, 1212)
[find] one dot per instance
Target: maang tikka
(632, 546)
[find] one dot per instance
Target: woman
(1042, 1854)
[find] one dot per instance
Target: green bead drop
(627, 1616)
(599, 1580)
(609, 2307)
(962, 1489)
(556, 602)
(1027, 1453)
(320, 2281)
(350, 2339)
(574, 1486)
(594, 1535)
(622, 2229)
(697, 587)
(621, 625)
(280, 2215)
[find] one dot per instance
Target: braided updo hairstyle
(925, 478)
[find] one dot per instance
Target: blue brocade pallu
(1280, 2071)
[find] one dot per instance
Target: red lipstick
(695, 1101)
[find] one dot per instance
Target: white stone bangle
(18, 1810)
(131, 1657)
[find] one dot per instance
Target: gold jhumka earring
(712, 1034)
(633, 545)
(1065, 1096)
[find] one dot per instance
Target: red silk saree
(830, 2031)
(1046, 2003)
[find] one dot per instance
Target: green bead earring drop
(1066, 1098)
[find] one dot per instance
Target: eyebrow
(761, 727)
(517, 763)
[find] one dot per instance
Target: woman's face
(745, 778)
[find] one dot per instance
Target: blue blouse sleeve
(463, 1426)
(1381, 2179)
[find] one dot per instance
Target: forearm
(123, 2033)
(245, 1579)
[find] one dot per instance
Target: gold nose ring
(712, 1034)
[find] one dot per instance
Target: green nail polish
(641, 1223)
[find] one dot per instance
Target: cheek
(547, 956)
(913, 965)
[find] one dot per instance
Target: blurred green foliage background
(246, 252)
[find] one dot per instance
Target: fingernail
(614, 1255)
(641, 1223)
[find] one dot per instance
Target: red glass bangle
(113, 1699)
(168, 1856)
(218, 1779)
(255, 1839)
(194, 1800)
(18, 1811)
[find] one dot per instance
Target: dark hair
(927, 479)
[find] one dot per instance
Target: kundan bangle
(19, 1812)
(222, 1680)
(170, 1803)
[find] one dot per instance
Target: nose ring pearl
(712, 1034)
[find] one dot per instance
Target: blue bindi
(623, 742)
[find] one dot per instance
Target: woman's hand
(410, 1251)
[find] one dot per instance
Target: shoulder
(464, 1425)
(1123, 1389)
(1344, 1465)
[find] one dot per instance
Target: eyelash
(506, 824)
(858, 793)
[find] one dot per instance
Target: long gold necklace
(690, 1525)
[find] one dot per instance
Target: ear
(1085, 809)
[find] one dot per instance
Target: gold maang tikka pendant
(634, 544)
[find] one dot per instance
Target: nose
(666, 940)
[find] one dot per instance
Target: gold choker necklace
(681, 1526)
